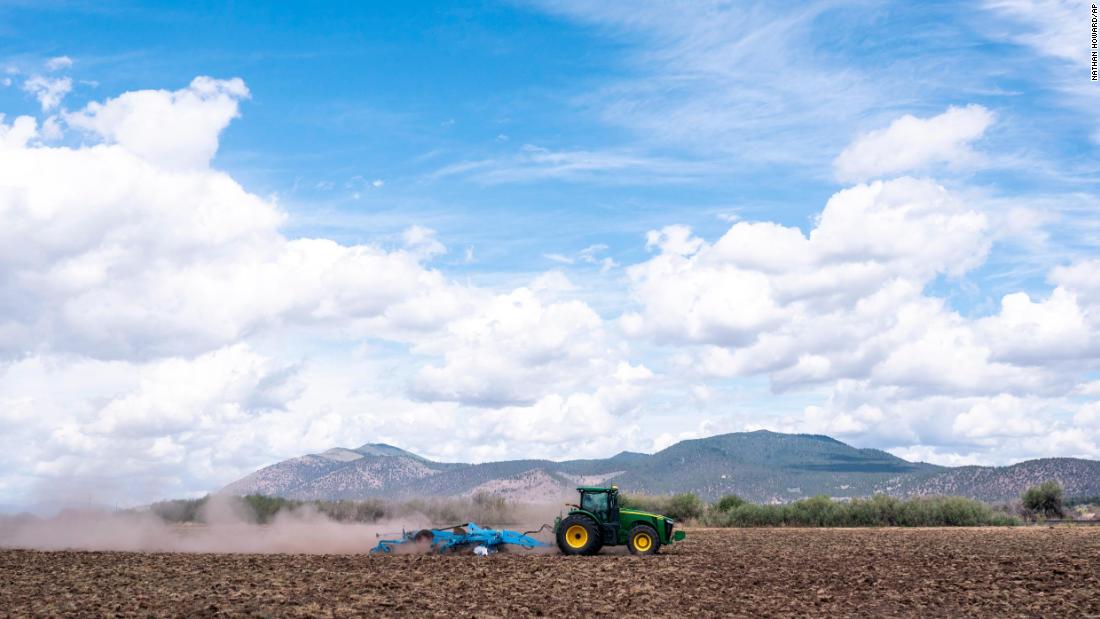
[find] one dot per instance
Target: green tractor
(598, 521)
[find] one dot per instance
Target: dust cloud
(225, 528)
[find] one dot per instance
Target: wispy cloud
(59, 62)
(535, 163)
(714, 78)
(767, 85)
(560, 259)
(1057, 28)
(589, 255)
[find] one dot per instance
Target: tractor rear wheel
(578, 535)
(643, 540)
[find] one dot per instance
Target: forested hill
(760, 466)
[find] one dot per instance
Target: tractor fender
(586, 514)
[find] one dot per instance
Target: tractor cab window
(595, 502)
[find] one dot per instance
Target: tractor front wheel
(578, 535)
(643, 540)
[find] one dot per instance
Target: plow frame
(468, 535)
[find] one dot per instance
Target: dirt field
(750, 572)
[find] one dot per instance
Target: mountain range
(760, 466)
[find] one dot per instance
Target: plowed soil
(749, 572)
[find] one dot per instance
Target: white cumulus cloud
(133, 256)
(515, 349)
(170, 129)
(846, 308)
(870, 239)
(911, 144)
(48, 90)
(156, 325)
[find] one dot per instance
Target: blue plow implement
(462, 537)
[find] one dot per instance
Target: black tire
(643, 540)
(599, 545)
(578, 535)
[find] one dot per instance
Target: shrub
(1045, 499)
(179, 510)
(264, 508)
(761, 515)
(729, 502)
(1082, 500)
(684, 507)
(818, 511)
(877, 511)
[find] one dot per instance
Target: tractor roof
(597, 489)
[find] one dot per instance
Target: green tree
(1045, 499)
(728, 502)
(685, 506)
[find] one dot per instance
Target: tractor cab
(598, 521)
(603, 503)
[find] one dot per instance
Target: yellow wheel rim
(576, 536)
(642, 542)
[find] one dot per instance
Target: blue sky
(565, 149)
(402, 92)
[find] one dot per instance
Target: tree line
(262, 509)
(1045, 500)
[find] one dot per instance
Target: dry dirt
(749, 572)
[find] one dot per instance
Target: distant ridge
(761, 466)
(997, 483)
